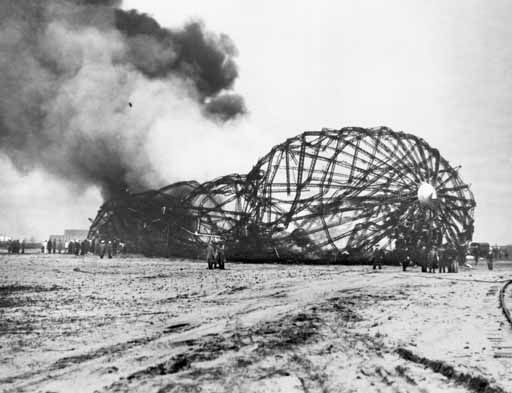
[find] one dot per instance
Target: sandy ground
(74, 324)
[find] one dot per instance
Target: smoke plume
(82, 83)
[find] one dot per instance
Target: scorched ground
(152, 325)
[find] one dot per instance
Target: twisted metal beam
(310, 197)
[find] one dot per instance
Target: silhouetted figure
(109, 249)
(84, 247)
(15, 247)
(443, 260)
(433, 260)
(378, 256)
(49, 246)
(102, 249)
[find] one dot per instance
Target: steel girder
(311, 197)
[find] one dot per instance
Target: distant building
(5, 238)
(69, 235)
(75, 234)
(57, 238)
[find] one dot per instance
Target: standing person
(433, 259)
(210, 254)
(54, 245)
(407, 261)
(490, 259)
(102, 249)
(423, 259)
(77, 247)
(115, 247)
(452, 259)
(404, 256)
(49, 246)
(23, 246)
(59, 246)
(221, 255)
(443, 259)
(121, 247)
(43, 247)
(109, 249)
(377, 258)
(16, 247)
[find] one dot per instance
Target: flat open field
(75, 324)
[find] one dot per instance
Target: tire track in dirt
(502, 343)
(505, 299)
(299, 339)
(475, 383)
(499, 338)
(116, 350)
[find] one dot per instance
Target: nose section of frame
(427, 194)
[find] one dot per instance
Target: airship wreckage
(315, 197)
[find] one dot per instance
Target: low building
(75, 234)
(58, 238)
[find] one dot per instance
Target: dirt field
(74, 324)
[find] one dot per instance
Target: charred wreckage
(319, 196)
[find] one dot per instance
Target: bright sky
(441, 70)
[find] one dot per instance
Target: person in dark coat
(378, 256)
(16, 247)
(433, 259)
(211, 254)
(102, 249)
(490, 259)
(109, 249)
(115, 247)
(405, 258)
(443, 256)
(54, 245)
(49, 246)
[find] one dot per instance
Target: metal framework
(310, 198)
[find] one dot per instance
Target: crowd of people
(444, 259)
(16, 247)
(100, 247)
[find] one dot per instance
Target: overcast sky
(437, 69)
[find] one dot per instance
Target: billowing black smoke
(81, 82)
